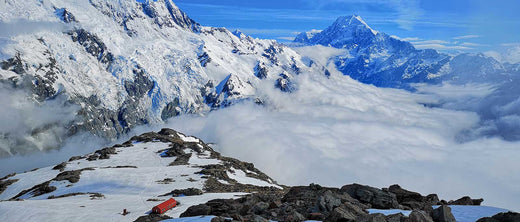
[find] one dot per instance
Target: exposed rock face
(377, 198)
(502, 217)
(298, 204)
(412, 200)
(443, 214)
(466, 201)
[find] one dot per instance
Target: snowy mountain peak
(352, 22)
(345, 32)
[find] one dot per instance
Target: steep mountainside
(135, 63)
(376, 58)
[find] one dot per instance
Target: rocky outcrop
(443, 214)
(412, 200)
(376, 198)
(502, 217)
(466, 201)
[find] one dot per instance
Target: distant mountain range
(376, 58)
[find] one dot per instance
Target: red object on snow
(164, 206)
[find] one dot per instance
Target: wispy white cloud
(466, 37)
(441, 47)
(407, 39)
(470, 44)
(435, 41)
(286, 38)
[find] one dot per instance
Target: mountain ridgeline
(376, 58)
(138, 62)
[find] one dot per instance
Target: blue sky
(448, 25)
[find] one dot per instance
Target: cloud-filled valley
(337, 131)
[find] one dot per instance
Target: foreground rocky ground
(153, 167)
(348, 203)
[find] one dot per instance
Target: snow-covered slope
(127, 63)
(135, 175)
(376, 58)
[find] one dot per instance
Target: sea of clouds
(335, 131)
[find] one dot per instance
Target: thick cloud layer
(336, 131)
(27, 126)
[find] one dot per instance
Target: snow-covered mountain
(137, 62)
(376, 58)
(135, 175)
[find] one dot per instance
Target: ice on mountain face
(138, 62)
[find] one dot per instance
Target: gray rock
(294, 216)
(341, 214)
(443, 214)
(377, 198)
(502, 217)
(419, 216)
(259, 208)
(372, 218)
(197, 210)
(466, 201)
(399, 217)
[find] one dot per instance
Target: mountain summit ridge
(382, 60)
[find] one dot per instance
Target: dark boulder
(346, 212)
(502, 217)
(152, 218)
(443, 214)
(419, 216)
(466, 201)
(372, 218)
(185, 192)
(377, 198)
(197, 210)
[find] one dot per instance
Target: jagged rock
(182, 159)
(345, 212)
(443, 214)
(377, 198)
(260, 71)
(37, 190)
(419, 216)
(65, 15)
(75, 158)
(5, 184)
(259, 208)
(197, 210)
(106, 152)
(152, 218)
(399, 217)
(186, 192)
(294, 216)
(72, 176)
(466, 201)
(404, 195)
(502, 217)
(372, 218)
(172, 109)
(257, 218)
(204, 59)
(60, 167)
(284, 83)
(432, 199)
(221, 219)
